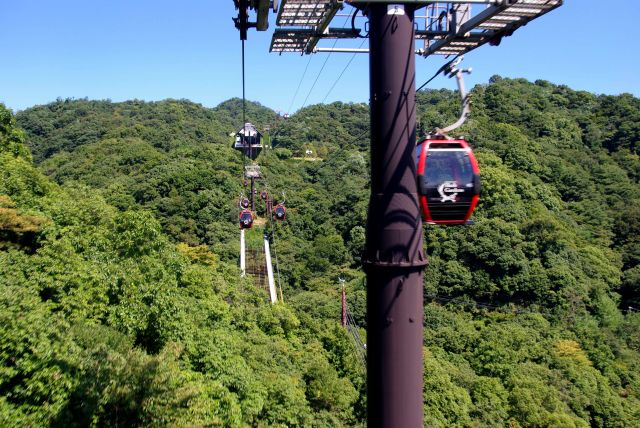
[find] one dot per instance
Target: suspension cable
(295, 94)
(353, 17)
(440, 70)
(318, 76)
(342, 72)
(322, 68)
(243, 93)
(359, 345)
(244, 121)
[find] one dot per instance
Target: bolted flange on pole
(394, 257)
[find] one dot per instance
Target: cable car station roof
(449, 28)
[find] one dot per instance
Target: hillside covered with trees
(121, 302)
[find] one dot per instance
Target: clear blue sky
(151, 50)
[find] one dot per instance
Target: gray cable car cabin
(249, 141)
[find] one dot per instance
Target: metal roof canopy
(450, 28)
(309, 21)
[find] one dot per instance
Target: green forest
(121, 301)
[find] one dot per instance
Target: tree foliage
(121, 302)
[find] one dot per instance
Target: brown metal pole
(344, 307)
(394, 258)
(253, 191)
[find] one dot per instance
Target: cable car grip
(452, 71)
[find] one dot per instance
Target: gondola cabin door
(448, 181)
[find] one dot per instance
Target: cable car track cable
(497, 308)
(303, 74)
(440, 70)
(321, 69)
(342, 73)
(244, 108)
(299, 84)
(243, 88)
(317, 77)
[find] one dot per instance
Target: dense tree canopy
(121, 303)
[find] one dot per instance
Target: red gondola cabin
(246, 219)
(280, 212)
(448, 181)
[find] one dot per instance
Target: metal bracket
(261, 7)
(452, 71)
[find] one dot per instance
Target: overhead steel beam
(341, 50)
(483, 16)
(494, 22)
(501, 18)
(355, 50)
(425, 2)
(297, 40)
(322, 27)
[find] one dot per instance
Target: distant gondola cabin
(448, 181)
(248, 140)
(280, 212)
(246, 219)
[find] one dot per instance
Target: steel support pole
(270, 280)
(243, 266)
(344, 306)
(269, 204)
(253, 192)
(394, 257)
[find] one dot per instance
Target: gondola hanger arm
(458, 73)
